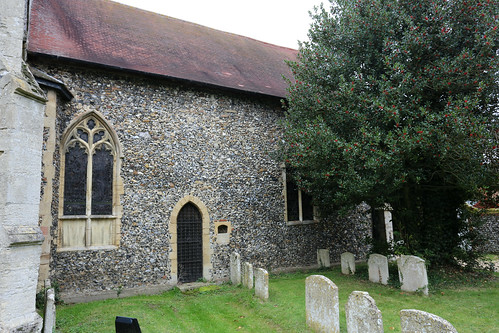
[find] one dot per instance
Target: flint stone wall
(181, 140)
(490, 232)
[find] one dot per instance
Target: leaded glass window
(89, 161)
(89, 207)
(102, 181)
(292, 201)
(75, 181)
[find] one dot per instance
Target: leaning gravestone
(412, 274)
(378, 268)
(415, 321)
(248, 275)
(363, 316)
(262, 283)
(347, 263)
(322, 304)
(235, 268)
(323, 258)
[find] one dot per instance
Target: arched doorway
(191, 208)
(189, 244)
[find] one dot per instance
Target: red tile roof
(111, 34)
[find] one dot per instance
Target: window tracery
(90, 178)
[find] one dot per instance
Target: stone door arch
(189, 208)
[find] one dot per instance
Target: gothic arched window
(89, 202)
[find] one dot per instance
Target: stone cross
(323, 258)
(248, 275)
(378, 268)
(235, 268)
(412, 274)
(322, 304)
(362, 314)
(347, 263)
(419, 321)
(262, 283)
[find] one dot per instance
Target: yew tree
(396, 102)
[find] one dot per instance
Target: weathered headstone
(362, 314)
(412, 274)
(322, 304)
(378, 268)
(323, 258)
(235, 268)
(415, 321)
(248, 275)
(262, 283)
(347, 263)
(49, 317)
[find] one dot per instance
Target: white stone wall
(12, 23)
(21, 121)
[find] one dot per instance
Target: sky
(279, 22)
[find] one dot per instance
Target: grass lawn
(469, 302)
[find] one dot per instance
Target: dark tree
(396, 102)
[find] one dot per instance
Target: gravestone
(235, 268)
(323, 258)
(347, 263)
(49, 317)
(415, 321)
(362, 314)
(412, 274)
(322, 304)
(378, 268)
(248, 275)
(262, 283)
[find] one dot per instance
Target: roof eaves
(147, 74)
(46, 80)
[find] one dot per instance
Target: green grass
(469, 301)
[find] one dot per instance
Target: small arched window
(90, 177)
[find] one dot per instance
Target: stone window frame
(207, 250)
(300, 207)
(223, 238)
(84, 226)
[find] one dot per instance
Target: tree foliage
(396, 102)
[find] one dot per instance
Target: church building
(159, 155)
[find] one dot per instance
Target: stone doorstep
(194, 285)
